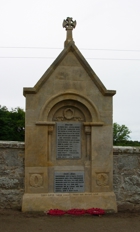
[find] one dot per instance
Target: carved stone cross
(69, 24)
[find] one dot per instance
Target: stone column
(88, 141)
(50, 131)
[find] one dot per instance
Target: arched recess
(69, 110)
(57, 101)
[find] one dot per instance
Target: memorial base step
(66, 201)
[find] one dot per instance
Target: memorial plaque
(69, 182)
(68, 140)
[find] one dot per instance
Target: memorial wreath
(91, 211)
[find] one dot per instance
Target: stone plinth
(66, 201)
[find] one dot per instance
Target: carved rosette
(36, 180)
(69, 114)
(102, 179)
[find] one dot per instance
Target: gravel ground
(16, 221)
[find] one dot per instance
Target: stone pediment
(71, 60)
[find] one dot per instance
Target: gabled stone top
(69, 24)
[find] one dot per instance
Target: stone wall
(11, 174)
(126, 176)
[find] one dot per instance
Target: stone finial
(69, 24)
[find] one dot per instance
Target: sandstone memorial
(68, 136)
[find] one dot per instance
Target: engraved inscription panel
(68, 140)
(69, 181)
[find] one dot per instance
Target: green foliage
(12, 124)
(120, 134)
(131, 143)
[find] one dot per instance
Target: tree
(120, 134)
(12, 124)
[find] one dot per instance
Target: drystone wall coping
(12, 144)
(125, 150)
(116, 149)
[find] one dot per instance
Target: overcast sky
(107, 34)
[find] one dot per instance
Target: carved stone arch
(46, 112)
(69, 110)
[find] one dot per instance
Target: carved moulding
(36, 180)
(102, 179)
(69, 114)
(77, 98)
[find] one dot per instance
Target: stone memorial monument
(68, 136)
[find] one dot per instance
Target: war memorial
(68, 136)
